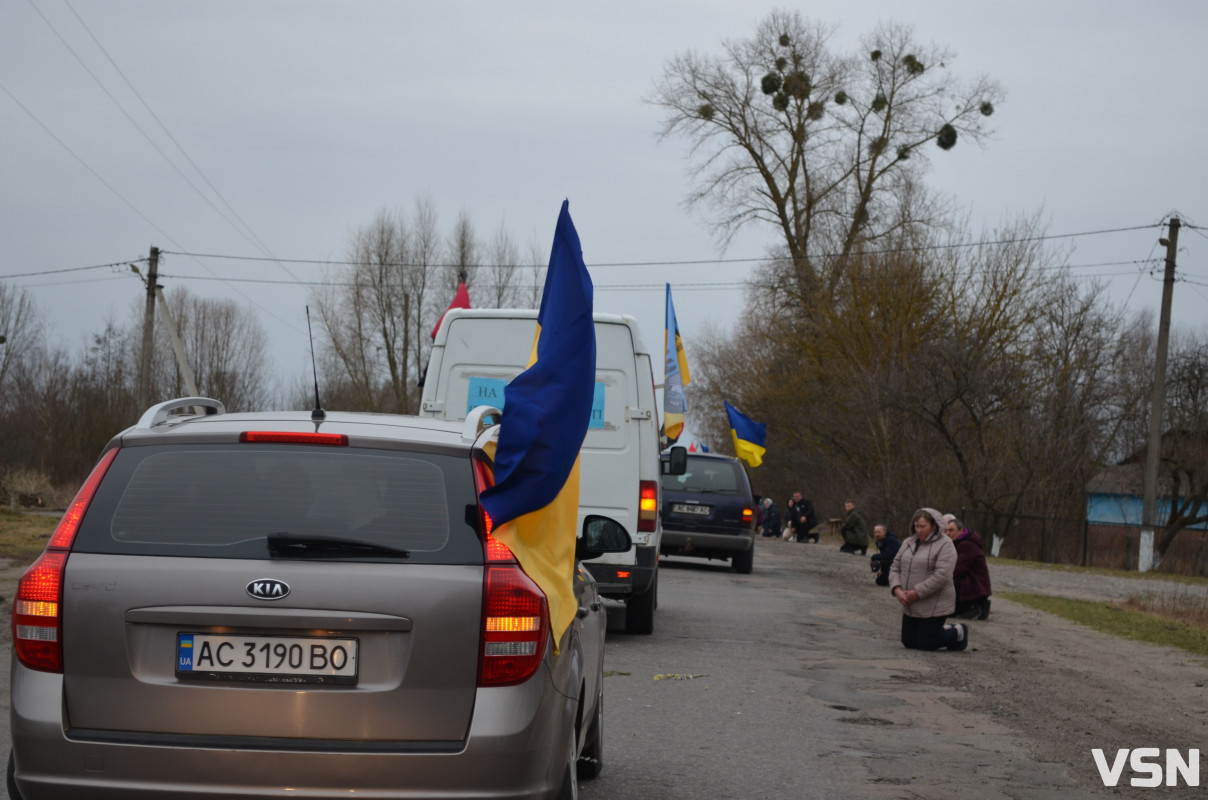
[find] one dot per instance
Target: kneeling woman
(921, 579)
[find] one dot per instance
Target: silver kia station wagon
(298, 604)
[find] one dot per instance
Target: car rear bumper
(515, 749)
(625, 580)
(706, 545)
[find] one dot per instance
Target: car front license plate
(274, 659)
(689, 508)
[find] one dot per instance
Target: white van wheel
(639, 609)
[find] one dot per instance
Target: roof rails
(160, 413)
(478, 420)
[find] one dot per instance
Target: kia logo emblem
(268, 589)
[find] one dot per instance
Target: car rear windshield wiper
(290, 545)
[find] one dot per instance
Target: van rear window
(224, 500)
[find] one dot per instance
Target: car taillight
(748, 516)
(648, 506)
(37, 609)
(515, 620)
(279, 437)
(515, 612)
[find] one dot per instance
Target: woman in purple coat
(971, 575)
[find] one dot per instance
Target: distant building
(1115, 496)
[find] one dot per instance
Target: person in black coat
(887, 547)
(771, 518)
(803, 519)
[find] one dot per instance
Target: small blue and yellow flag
(675, 376)
(535, 500)
(750, 437)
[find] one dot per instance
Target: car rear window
(706, 475)
(223, 501)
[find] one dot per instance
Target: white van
(477, 352)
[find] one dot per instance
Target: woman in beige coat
(921, 580)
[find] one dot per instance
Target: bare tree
(226, 348)
(464, 255)
(424, 255)
(534, 281)
(1184, 452)
(825, 148)
(21, 332)
(499, 278)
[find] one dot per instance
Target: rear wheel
(743, 563)
(591, 760)
(13, 792)
(570, 778)
(639, 609)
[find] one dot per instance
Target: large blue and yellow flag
(750, 437)
(675, 376)
(535, 500)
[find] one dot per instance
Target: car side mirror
(601, 535)
(677, 461)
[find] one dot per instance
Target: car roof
(360, 427)
(714, 456)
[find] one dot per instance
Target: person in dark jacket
(854, 530)
(771, 518)
(887, 548)
(972, 574)
(803, 519)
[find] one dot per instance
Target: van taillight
(648, 506)
(748, 516)
(37, 609)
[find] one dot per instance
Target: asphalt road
(791, 683)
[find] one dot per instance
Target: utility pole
(144, 368)
(1157, 402)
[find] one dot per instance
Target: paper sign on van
(489, 392)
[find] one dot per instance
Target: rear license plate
(274, 659)
(689, 508)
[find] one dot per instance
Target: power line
(72, 269)
(246, 231)
(888, 251)
(694, 286)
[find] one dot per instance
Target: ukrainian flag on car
(535, 500)
(676, 377)
(750, 437)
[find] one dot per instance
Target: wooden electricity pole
(1157, 402)
(144, 367)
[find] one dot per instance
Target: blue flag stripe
(548, 406)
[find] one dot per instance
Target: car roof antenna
(318, 414)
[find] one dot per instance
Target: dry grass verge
(1134, 619)
(23, 536)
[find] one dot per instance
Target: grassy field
(1170, 624)
(23, 536)
(1115, 573)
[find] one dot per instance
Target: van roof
(528, 313)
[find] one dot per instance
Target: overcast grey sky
(310, 117)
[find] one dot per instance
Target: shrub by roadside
(24, 536)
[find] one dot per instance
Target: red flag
(460, 300)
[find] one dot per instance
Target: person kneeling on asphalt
(803, 519)
(921, 580)
(887, 548)
(971, 574)
(854, 530)
(771, 518)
